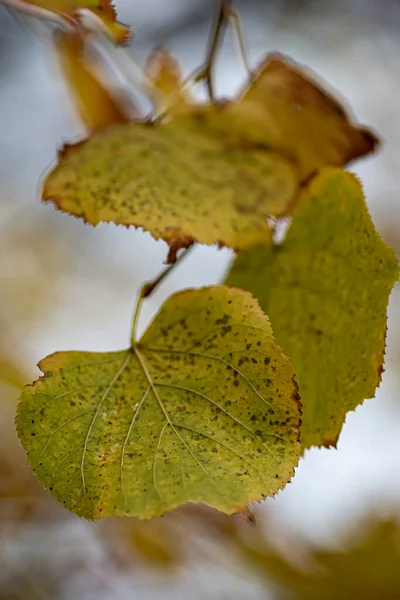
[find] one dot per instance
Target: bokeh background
(65, 285)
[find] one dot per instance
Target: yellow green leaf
(96, 106)
(285, 109)
(203, 409)
(326, 289)
(175, 182)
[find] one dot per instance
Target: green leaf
(174, 181)
(203, 409)
(326, 290)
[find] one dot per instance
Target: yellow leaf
(107, 13)
(175, 182)
(95, 104)
(68, 7)
(286, 110)
(164, 72)
(104, 9)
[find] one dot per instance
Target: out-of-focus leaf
(213, 172)
(203, 409)
(65, 6)
(164, 73)
(104, 9)
(175, 182)
(159, 543)
(11, 373)
(95, 104)
(286, 110)
(367, 568)
(326, 291)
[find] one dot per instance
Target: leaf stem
(236, 24)
(217, 33)
(148, 288)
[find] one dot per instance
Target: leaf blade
(286, 108)
(326, 289)
(175, 182)
(96, 107)
(147, 430)
(103, 9)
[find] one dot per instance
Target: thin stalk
(148, 288)
(225, 16)
(236, 24)
(217, 33)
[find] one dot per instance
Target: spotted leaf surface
(203, 409)
(175, 182)
(326, 290)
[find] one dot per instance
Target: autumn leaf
(203, 409)
(326, 290)
(11, 373)
(65, 6)
(164, 73)
(365, 567)
(286, 110)
(96, 106)
(103, 9)
(175, 182)
(213, 172)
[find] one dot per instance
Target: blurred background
(65, 285)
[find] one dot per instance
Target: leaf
(107, 13)
(67, 7)
(103, 9)
(326, 290)
(204, 409)
(285, 109)
(164, 73)
(213, 172)
(175, 182)
(11, 373)
(96, 106)
(367, 567)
